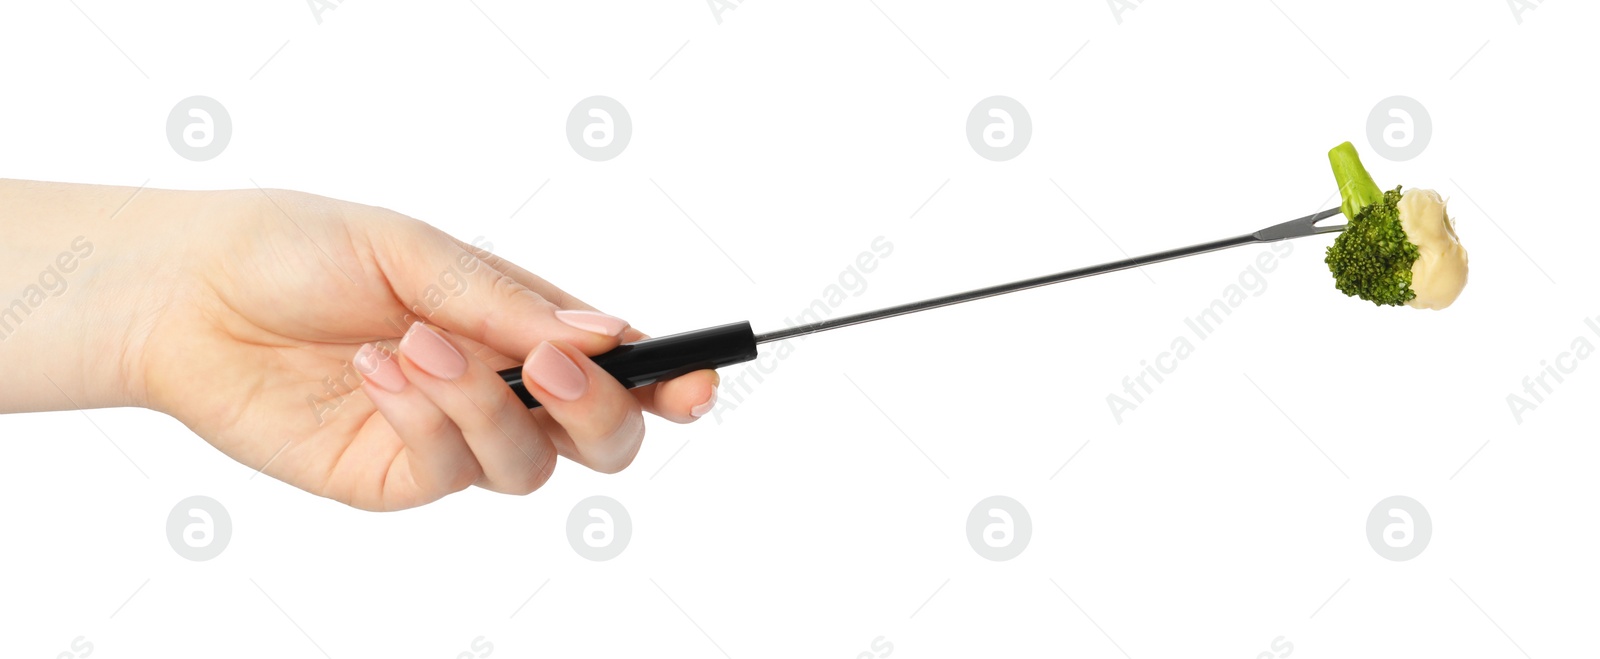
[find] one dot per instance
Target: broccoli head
(1372, 258)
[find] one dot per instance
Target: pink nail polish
(704, 408)
(554, 371)
(592, 321)
(378, 367)
(432, 353)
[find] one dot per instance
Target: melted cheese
(1441, 270)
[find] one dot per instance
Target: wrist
(88, 272)
(140, 278)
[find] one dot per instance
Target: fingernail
(430, 352)
(378, 367)
(703, 408)
(592, 321)
(552, 370)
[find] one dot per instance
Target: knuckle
(463, 478)
(436, 427)
(526, 481)
(502, 285)
(616, 450)
(511, 313)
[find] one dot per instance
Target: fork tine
(1298, 228)
(1330, 228)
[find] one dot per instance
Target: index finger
(681, 400)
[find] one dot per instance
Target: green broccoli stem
(1355, 185)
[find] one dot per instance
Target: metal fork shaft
(1304, 226)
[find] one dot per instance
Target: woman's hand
(345, 349)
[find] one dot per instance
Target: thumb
(440, 281)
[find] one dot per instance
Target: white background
(1226, 511)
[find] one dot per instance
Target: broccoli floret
(1372, 258)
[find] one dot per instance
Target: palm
(277, 325)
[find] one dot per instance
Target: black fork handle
(664, 357)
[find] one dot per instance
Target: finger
(444, 284)
(529, 280)
(681, 400)
(436, 458)
(604, 424)
(495, 360)
(515, 456)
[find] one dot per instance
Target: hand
(352, 351)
